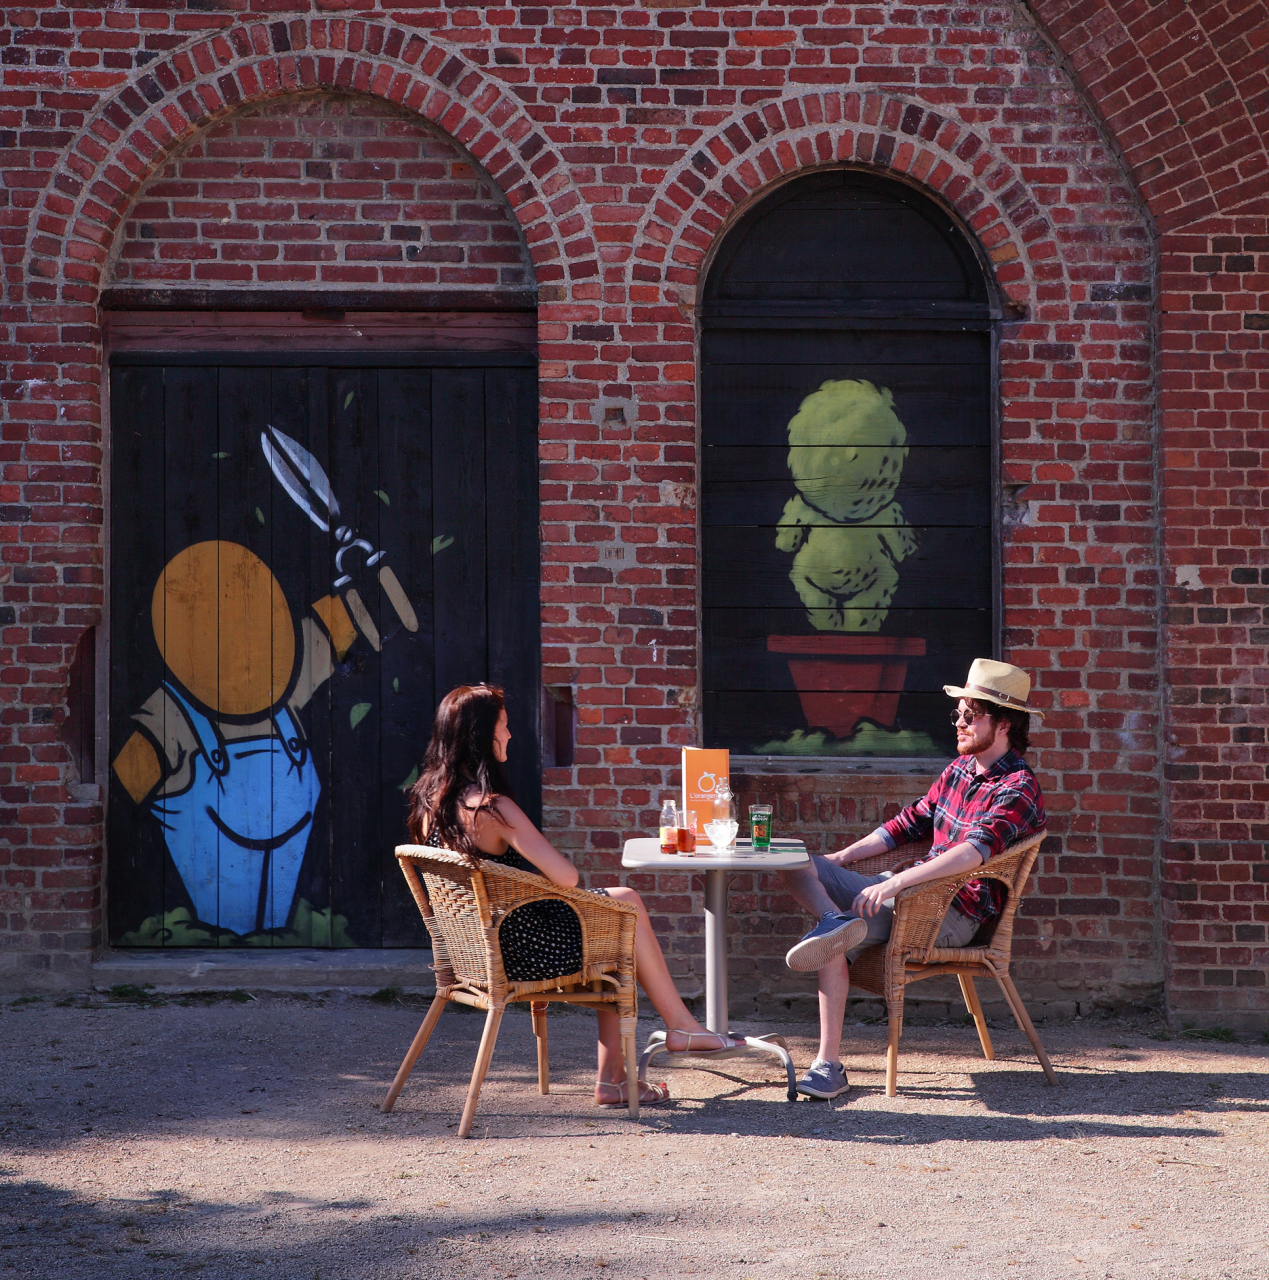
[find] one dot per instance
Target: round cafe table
(644, 853)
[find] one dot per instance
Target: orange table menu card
(705, 771)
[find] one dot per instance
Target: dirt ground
(218, 1137)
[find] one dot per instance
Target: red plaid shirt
(989, 810)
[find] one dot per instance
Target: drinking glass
(760, 825)
(722, 833)
(687, 831)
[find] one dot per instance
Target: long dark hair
(459, 756)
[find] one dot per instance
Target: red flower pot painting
(842, 679)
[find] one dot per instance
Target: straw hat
(997, 682)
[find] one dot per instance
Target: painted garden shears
(308, 486)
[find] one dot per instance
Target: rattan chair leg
(1024, 1021)
(539, 1030)
(632, 1075)
(417, 1046)
(970, 992)
(629, 1028)
(487, 1042)
(892, 1057)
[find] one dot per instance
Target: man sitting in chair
(985, 800)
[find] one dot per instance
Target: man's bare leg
(834, 979)
(834, 990)
(804, 885)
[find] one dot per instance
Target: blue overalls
(238, 832)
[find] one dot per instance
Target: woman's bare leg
(654, 978)
(654, 973)
(612, 1061)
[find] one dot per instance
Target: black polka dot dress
(539, 940)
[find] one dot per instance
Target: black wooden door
(847, 521)
(305, 557)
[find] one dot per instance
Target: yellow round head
(847, 448)
(224, 628)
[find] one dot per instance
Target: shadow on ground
(238, 1140)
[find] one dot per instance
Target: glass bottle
(669, 827)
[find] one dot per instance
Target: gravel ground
(224, 1138)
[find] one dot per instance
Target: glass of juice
(760, 826)
(687, 831)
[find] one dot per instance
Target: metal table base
(741, 858)
(768, 1044)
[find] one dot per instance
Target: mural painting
(849, 537)
(236, 797)
(275, 638)
(847, 554)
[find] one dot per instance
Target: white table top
(784, 855)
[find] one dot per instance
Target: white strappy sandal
(650, 1095)
(722, 1042)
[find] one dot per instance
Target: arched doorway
(324, 507)
(849, 549)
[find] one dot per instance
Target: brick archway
(134, 131)
(1181, 89)
(739, 163)
(1074, 399)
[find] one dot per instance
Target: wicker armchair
(910, 954)
(462, 907)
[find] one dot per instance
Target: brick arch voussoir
(163, 107)
(742, 160)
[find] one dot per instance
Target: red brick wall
(1184, 89)
(625, 139)
(1215, 428)
(328, 190)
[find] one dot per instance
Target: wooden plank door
(847, 544)
(787, 668)
(305, 557)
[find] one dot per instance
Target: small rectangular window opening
(559, 726)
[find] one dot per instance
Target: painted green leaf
(358, 713)
(220, 455)
(441, 541)
(396, 684)
(383, 497)
(348, 399)
(259, 515)
(411, 780)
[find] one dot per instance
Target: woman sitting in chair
(462, 802)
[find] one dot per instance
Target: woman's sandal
(649, 1094)
(722, 1042)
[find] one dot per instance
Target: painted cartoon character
(218, 754)
(847, 448)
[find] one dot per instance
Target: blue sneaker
(823, 1080)
(835, 933)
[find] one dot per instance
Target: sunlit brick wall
(321, 190)
(1074, 141)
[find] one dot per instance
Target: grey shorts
(842, 884)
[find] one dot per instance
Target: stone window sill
(872, 766)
